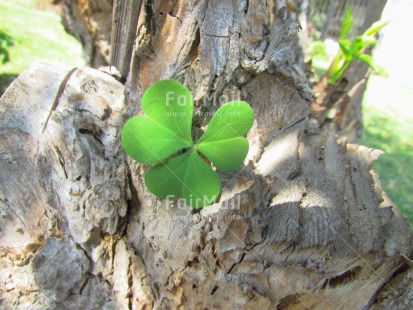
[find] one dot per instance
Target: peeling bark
(124, 26)
(303, 224)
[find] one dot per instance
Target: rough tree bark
(304, 224)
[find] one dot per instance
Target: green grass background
(388, 125)
(388, 115)
(34, 32)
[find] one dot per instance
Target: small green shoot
(351, 50)
(164, 132)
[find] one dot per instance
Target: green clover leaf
(186, 176)
(165, 129)
(166, 126)
(223, 142)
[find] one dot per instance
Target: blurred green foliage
(28, 34)
(5, 42)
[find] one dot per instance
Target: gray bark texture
(304, 224)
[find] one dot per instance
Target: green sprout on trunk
(351, 50)
(165, 130)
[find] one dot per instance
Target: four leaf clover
(164, 131)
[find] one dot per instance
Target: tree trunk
(304, 224)
(90, 22)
